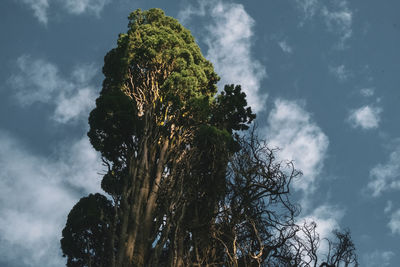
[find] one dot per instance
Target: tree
(258, 226)
(184, 188)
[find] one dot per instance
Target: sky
(322, 76)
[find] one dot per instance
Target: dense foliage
(184, 189)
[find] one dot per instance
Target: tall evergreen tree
(183, 188)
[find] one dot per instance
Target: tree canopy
(184, 188)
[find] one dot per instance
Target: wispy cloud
(394, 222)
(70, 107)
(327, 217)
(37, 193)
(40, 8)
(378, 258)
(292, 129)
(340, 72)
(339, 21)
(308, 7)
(336, 15)
(85, 6)
(229, 37)
(367, 92)
(386, 176)
(388, 207)
(365, 117)
(39, 81)
(285, 47)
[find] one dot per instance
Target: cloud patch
(39, 81)
(85, 6)
(41, 8)
(327, 218)
(336, 15)
(285, 47)
(229, 37)
(366, 117)
(37, 193)
(388, 207)
(385, 177)
(339, 21)
(291, 128)
(394, 222)
(378, 258)
(308, 7)
(340, 72)
(367, 92)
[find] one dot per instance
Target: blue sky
(321, 75)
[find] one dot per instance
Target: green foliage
(159, 44)
(231, 109)
(115, 122)
(113, 181)
(86, 234)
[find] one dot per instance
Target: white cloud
(37, 81)
(340, 72)
(292, 129)
(309, 7)
(394, 222)
(186, 14)
(388, 207)
(84, 73)
(77, 7)
(378, 258)
(366, 117)
(80, 164)
(385, 177)
(229, 37)
(327, 218)
(37, 193)
(72, 107)
(39, 8)
(285, 47)
(83, 6)
(40, 81)
(299, 138)
(336, 14)
(367, 92)
(339, 21)
(38, 190)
